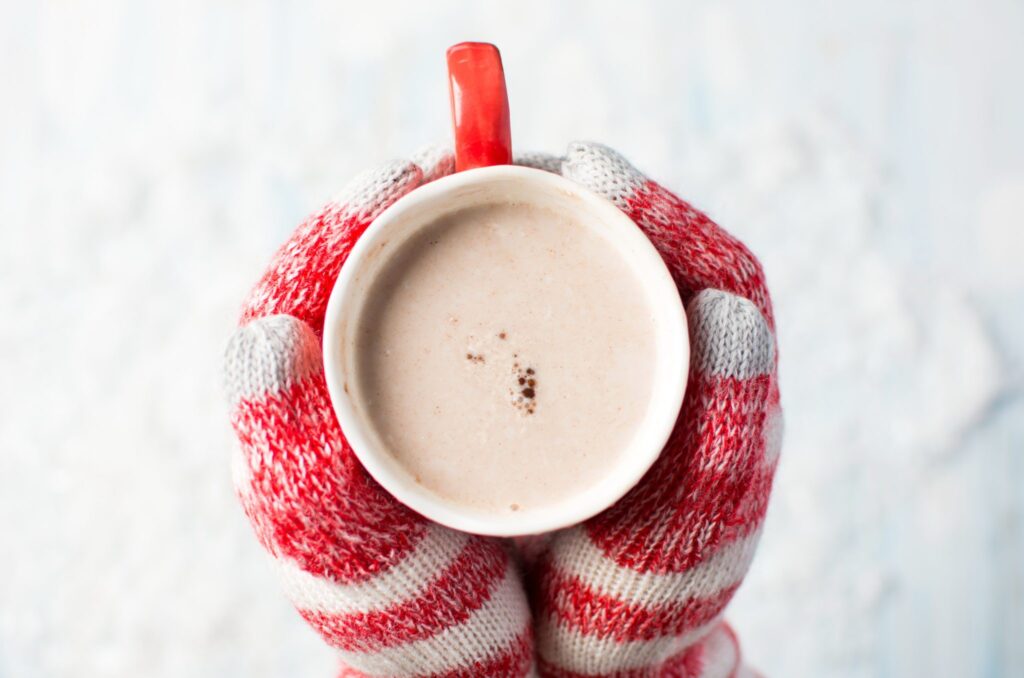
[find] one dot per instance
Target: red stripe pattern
(717, 656)
(448, 600)
(575, 603)
(513, 661)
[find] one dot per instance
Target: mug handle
(476, 88)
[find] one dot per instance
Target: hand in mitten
(395, 594)
(639, 589)
(636, 591)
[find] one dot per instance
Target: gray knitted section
(435, 161)
(542, 161)
(269, 355)
(728, 336)
(370, 190)
(602, 170)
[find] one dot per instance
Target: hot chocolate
(506, 357)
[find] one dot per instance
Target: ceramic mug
(484, 175)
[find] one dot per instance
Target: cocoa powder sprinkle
(525, 398)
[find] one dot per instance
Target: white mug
(483, 186)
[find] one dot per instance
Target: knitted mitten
(639, 589)
(397, 596)
(636, 591)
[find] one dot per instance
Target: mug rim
(669, 381)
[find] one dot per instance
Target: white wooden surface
(152, 155)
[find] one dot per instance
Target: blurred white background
(152, 156)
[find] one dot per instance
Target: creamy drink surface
(505, 357)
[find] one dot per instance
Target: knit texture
(637, 591)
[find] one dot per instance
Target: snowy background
(152, 156)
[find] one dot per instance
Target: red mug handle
(476, 87)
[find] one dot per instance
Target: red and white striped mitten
(639, 589)
(395, 594)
